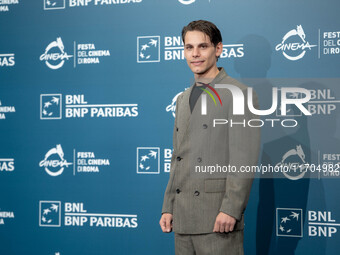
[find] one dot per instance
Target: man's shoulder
(232, 81)
(226, 79)
(184, 93)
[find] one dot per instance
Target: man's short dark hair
(206, 27)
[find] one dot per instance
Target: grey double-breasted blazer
(194, 198)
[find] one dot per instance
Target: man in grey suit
(206, 211)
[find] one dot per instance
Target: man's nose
(195, 52)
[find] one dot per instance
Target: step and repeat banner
(88, 93)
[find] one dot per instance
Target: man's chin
(198, 71)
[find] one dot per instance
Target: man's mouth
(197, 62)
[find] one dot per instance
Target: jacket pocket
(214, 185)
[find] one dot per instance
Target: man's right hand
(166, 222)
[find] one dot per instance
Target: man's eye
(188, 47)
(204, 46)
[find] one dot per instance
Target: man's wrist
(229, 214)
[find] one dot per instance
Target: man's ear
(219, 49)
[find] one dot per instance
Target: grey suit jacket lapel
(185, 114)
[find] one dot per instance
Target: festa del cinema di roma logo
(54, 162)
(55, 55)
(294, 159)
(294, 44)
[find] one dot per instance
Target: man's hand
(224, 223)
(166, 222)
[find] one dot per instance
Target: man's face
(201, 54)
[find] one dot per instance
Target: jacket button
(199, 159)
(178, 158)
(178, 191)
(196, 193)
(177, 129)
(205, 126)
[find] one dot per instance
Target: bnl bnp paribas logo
(55, 55)
(50, 106)
(149, 49)
(7, 60)
(69, 214)
(54, 4)
(294, 44)
(6, 165)
(289, 223)
(61, 4)
(149, 158)
(76, 106)
(49, 214)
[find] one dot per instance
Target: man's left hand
(224, 223)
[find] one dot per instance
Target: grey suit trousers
(210, 244)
